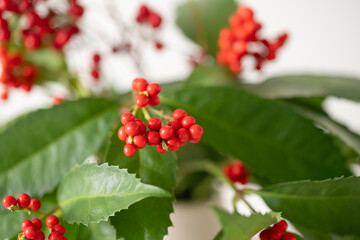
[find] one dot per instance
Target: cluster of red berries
(95, 67)
(277, 232)
(147, 93)
(23, 201)
(37, 29)
(176, 133)
(242, 39)
(148, 16)
(236, 172)
(32, 229)
(15, 72)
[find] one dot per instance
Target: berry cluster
(242, 39)
(15, 72)
(277, 232)
(147, 93)
(180, 129)
(23, 201)
(95, 67)
(32, 229)
(236, 172)
(148, 16)
(53, 28)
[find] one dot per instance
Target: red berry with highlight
(132, 128)
(183, 135)
(25, 224)
(24, 200)
(139, 141)
(179, 114)
(35, 204)
(141, 100)
(51, 221)
(153, 89)
(139, 84)
(55, 236)
(196, 131)
(130, 150)
(127, 117)
(9, 201)
(154, 123)
(36, 223)
(175, 125)
(142, 126)
(122, 134)
(188, 121)
(166, 132)
(31, 233)
(153, 137)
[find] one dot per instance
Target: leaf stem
(146, 113)
(160, 113)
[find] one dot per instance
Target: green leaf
(238, 227)
(292, 86)
(38, 149)
(211, 75)
(95, 231)
(314, 234)
(331, 206)
(92, 193)
(148, 219)
(202, 20)
(335, 128)
(11, 221)
(265, 134)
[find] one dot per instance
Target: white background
(324, 38)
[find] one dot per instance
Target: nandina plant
(108, 165)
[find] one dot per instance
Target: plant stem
(146, 113)
(160, 114)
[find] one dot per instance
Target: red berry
(158, 45)
(9, 201)
(264, 235)
(76, 10)
(154, 100)
(23, 200)
(122, 134)
(139, 84)
(96, 58)
(159, 148)
(32, 41)
(175, 125)
(173, 144)
(25, 224)
(153, 137)
(178, 114)
(127, 117)
(155, 20)
(183, 135)
(95, 73)
(36, 223)
(55, 236)
(129, 150)
(31, 233)
(51, 221)
(154, 123)
(153, 89)
(142, 126)
(288, 236)
(166, 132)
(196, 131)
(281, 226)
(188, 121)
(275, 234)
(58, 228)
(41, 236)
(35, 204)
(141, 100)
(132, 128)
(139, 141)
